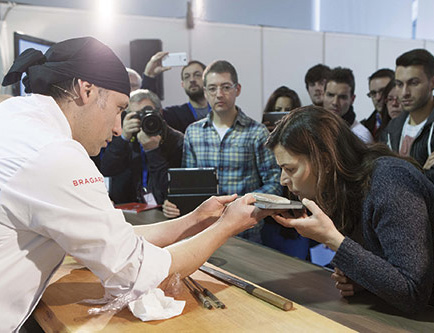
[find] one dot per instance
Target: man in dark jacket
(180, 116)
(136, 162)
(411, 134)
(377, 82)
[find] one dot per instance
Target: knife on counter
(261, 293)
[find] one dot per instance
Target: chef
(53, 199)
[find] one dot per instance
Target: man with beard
(180, 116)
(377, 83)
(411, 133)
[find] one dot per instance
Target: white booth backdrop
(264, 57)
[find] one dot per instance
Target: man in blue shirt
(230, 141)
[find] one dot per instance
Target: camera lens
(152, 124)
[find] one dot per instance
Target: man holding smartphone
(180, 116)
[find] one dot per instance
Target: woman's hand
(318, 226)
(346, 286)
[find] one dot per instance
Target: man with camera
(138, 160)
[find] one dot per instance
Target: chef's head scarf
(83, 58)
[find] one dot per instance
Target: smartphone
(175, 59)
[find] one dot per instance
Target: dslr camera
(151, 121)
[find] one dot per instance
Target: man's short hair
(140, 94)
(383, 72)
(342, 75)
(417, 57)
(316, 73)
(192, 62)
(221, 66)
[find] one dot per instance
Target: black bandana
(84, 58)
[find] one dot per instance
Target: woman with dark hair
(274, 235)
(392, 107)
(375, 209)
(282, 99)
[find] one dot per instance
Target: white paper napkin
(156, 306)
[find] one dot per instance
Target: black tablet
(189, 187)
(271, 118)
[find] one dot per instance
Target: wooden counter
(305, 284)
(312, 287)
(60, 311)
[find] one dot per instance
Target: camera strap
(144, 168)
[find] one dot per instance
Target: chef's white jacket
(53, 201)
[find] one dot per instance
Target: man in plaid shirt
(230, 141)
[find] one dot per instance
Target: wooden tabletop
(60, 310)
(307, 285)
(312, 287)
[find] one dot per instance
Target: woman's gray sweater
(396, 261)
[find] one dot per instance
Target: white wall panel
(287, 55)
(391, 48)
(358, 53)
(425, 22)
(241, 46)
(58, 24)
(368, 17)
(429, 46)
(265, 58)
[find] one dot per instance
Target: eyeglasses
(374, 93)
(225, 88)
(392, 99)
